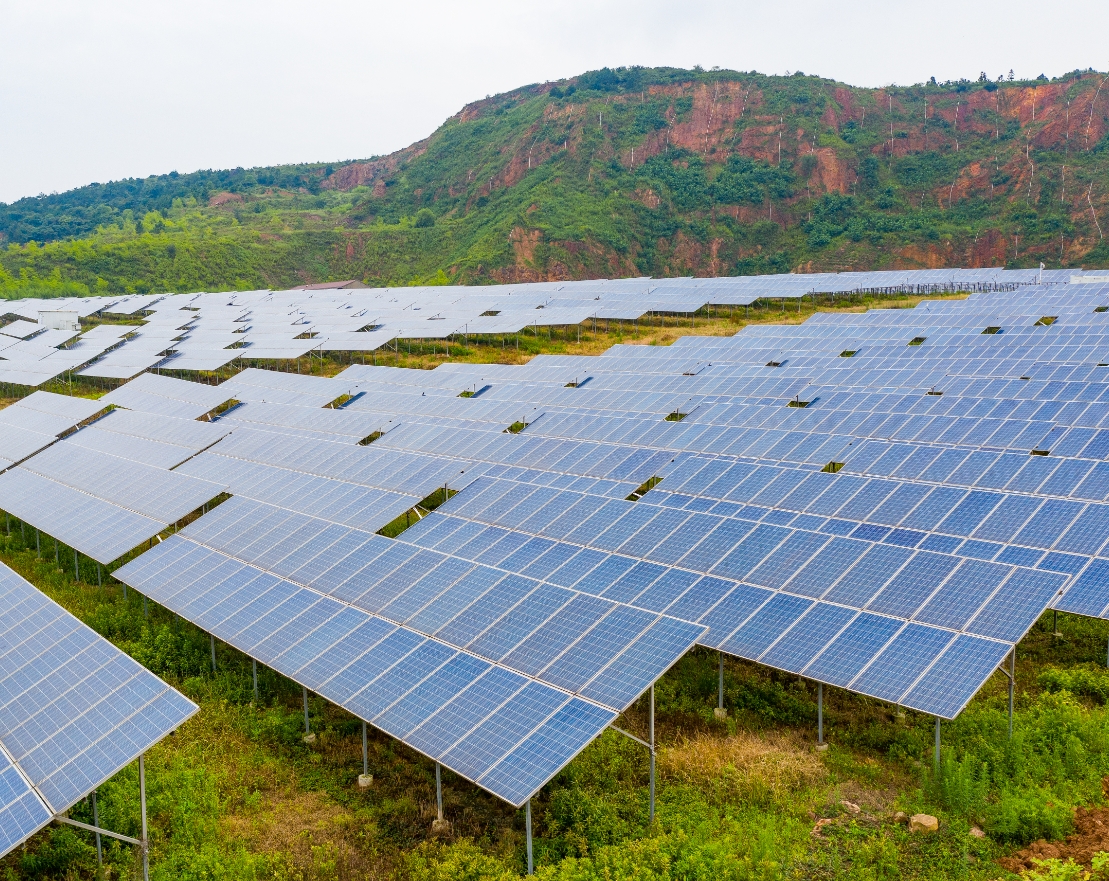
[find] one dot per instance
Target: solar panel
(249, 574)
(881, 501)
(74, 710)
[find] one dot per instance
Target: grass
(236, 793)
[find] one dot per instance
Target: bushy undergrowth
(1087, 680)
(1027, 787)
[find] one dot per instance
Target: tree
(425, 217)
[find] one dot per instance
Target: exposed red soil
(1091, 836)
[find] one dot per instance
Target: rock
(365, 781)
(820, 824)
(441, 827)
(975, 832)
(923, 823)
(901, 817)
(720, 713)
(850, 806)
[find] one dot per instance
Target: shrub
(1019, 817)
(461, 861)
(1087, 680)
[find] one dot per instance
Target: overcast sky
(97, 90)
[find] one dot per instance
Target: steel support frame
(650, 745)
(1011, 675)
(820, 713)
(142, 843)
(527, 821)
(439, 790)
(365, 750)
(720, 682)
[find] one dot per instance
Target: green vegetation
(633, 171)
(416, 513)
(236, 794)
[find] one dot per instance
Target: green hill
(615, 173)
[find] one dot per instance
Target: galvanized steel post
(652, 738)
(96, 823)
(820, 712)
(142, 805)
(439, 790)
(531, 864)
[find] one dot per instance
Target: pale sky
(97, 90)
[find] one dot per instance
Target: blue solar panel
(938, 514)
(74, 710)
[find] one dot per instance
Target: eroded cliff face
(997, 148)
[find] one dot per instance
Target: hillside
(615, 173)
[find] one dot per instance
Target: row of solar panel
(865, 651)
(382, 577)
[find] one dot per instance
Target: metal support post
(38, 544)
(936, 758)
(439, 790)
(254, 664)
(527, 815)
(142, 804)
(145, 610)
(307, 730)
(1012, 684)
(96, 823)
(76, 571)
(720, 683)
(652, 739)
(365, 751)
(820, 713)
(212, 638)
(100, 580)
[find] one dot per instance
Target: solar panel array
(74, 710)
(205, 332)
(884, 502)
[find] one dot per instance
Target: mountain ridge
(656, 171)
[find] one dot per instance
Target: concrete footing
(440, 826)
